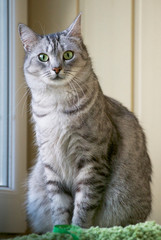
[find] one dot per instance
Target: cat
(92, 167)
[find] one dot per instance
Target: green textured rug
(143, 231)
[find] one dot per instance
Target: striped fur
(92, 166)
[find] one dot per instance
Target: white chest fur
(56, 140)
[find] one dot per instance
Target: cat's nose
(57, 69)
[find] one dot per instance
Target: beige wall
(51, 15)
(124, 47)
(106, 26)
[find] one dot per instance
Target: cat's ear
(74, 29)
(28, 37)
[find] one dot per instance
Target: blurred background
(124, 41)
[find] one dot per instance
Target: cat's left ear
(75, 28)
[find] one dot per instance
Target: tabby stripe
(79, 44)
(89, 138)
(57, 36)
(50, 168)
(94, 184)
(82, 218)
(87, 206)
(40, 115)
(49, 43)
(100, 189)
(61, 211)
(79, 108)
(55, 45)
(84, 162)
(60, 187)
(51, 182)
(57, 189)
(43, 143)
(83, 57)
(81, 164)
(49, 40)
(100, 172)
(92, 195)
(84, 106)
(88, 182)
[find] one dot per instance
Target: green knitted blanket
(140, 231)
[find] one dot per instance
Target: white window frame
(12, 207)
(3, 94)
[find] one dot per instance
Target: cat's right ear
(28, 37)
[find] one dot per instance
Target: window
(4, 95)
(13, 132)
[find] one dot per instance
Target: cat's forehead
(56, 43)
(52, 42)
(47, 44)
(59, 41)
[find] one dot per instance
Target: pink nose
(57, 69)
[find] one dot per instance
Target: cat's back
(124, 121)
(117, 111)
(131, 141)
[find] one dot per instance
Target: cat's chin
(57, 81)
(57, 78)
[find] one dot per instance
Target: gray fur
(92, 166)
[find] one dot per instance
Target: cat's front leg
(90, 188)
(61, 201)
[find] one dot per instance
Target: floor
(11, 235)
(8, 236)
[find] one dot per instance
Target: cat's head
(54, 59)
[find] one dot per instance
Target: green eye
(43, 57)
(68, 55)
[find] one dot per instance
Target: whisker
(46, 74)
(41, 27)
(23, 107)
(24, 96)
(72, 91)
(74, 80)
(70, 72)
(66, 71)
(21, 86)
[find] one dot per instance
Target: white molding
(12, 76)
(138, 59)
(3, 94)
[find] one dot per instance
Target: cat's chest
(50, 126)
(53, 134)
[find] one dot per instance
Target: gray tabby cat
(92, 166)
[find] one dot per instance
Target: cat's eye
(68, 55)
(43, 57)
